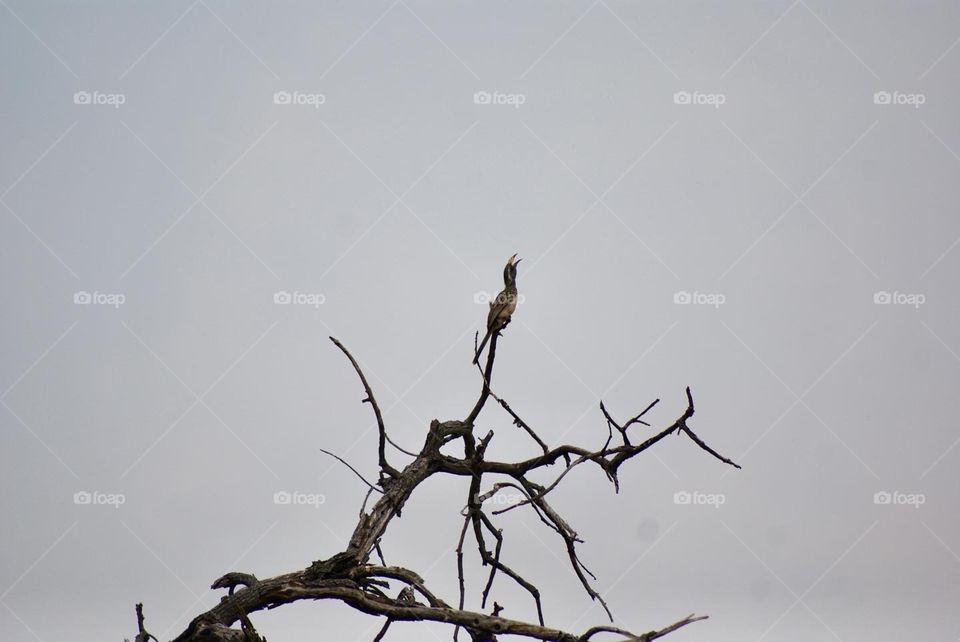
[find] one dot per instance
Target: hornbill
(502, 307)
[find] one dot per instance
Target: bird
(503, 305)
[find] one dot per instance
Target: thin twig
(383, 630)
(355, 471)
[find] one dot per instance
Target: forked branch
(350, 576)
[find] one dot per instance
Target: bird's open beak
(513, 260)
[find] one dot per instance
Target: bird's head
(510, 270)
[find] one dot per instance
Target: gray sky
(737, 156)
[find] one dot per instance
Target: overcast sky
(758, 200)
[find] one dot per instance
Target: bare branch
(385, 467)
(700, 442)
(517, 421)
(394, 444)
(142, 634)
(383, 631)
(487, 374)
(463, 592)
(214, 625)
(349, 576)
(645, 637)
(355, 471)
(623, 429)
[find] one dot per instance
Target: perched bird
(502, 307)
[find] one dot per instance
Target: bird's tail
(483, 343)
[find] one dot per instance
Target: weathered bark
(351, 578)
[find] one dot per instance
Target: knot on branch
(232, 580)
(340, 566)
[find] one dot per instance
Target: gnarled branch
(349, 576)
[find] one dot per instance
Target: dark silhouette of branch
(520, 423)
(353, 578)
(354, 470)
(383, 631)
(623, 429)
(385, 468)
(646, 637)
(394, 444)
(142, 634)
(487, 375)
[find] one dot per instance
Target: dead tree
(352, 577)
